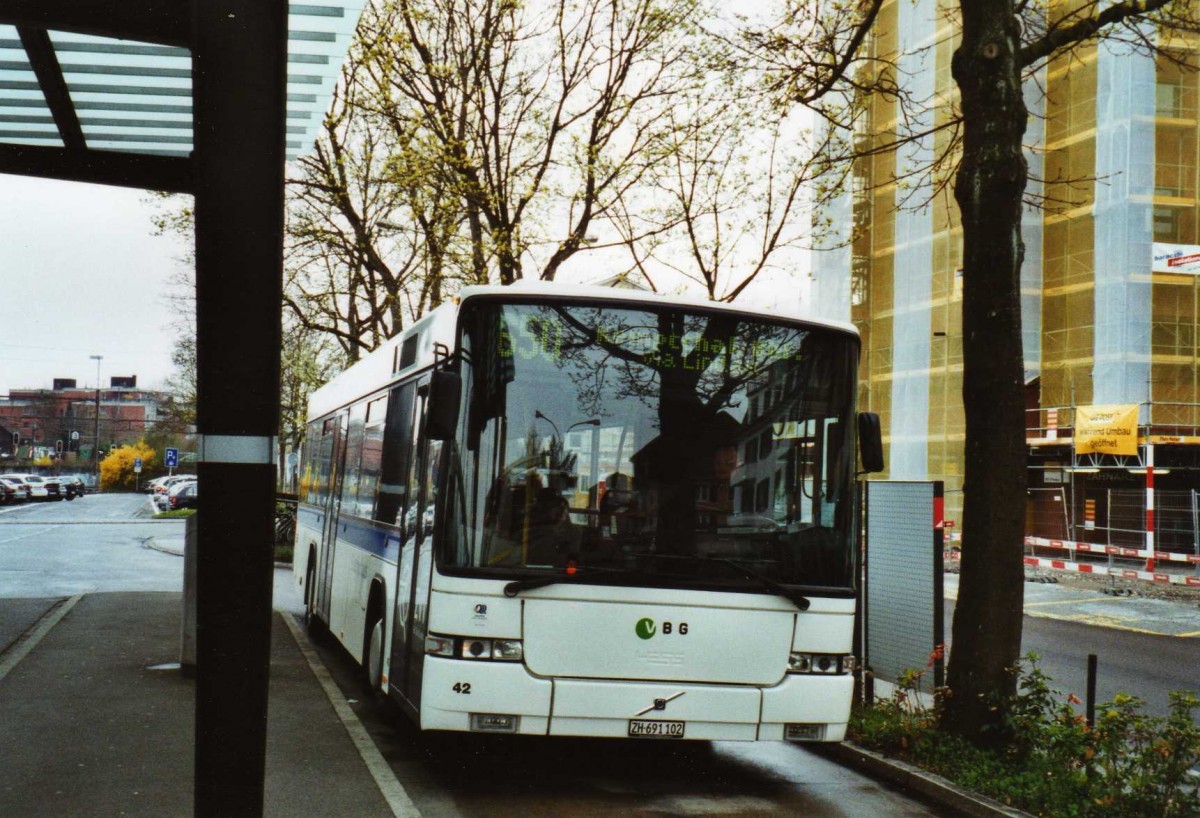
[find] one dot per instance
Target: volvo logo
(660, 704)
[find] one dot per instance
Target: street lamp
(594, 466)
(96, 450)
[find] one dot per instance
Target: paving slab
(97, 720)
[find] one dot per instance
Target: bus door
(426, 462)
(334, 445)
(396, 508)
(416, 558)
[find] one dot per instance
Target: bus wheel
(312, 623)
(373, 658)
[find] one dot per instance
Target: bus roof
(414, 348)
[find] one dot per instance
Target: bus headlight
(439, 646)
(508, 650)
(800, 663)
(828, 664)
(475, 649)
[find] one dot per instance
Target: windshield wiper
(769, 584)
(518, 585)
(791, 596)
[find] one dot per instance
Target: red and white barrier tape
(1116, 551)
(1123, 573)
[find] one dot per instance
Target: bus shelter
(207, 97)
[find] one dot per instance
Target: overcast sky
(82, 274)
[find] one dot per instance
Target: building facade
(1110, 294)
(46, 422)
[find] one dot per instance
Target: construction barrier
(1122, 573)
(1111, 550)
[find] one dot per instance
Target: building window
(1167, 98)
(1166, 224)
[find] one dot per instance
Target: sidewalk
(97, 719)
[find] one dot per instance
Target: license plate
(645, 728)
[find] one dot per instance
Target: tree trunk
(989, 189)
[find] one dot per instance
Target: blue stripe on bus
(380, 539)
(309, 516)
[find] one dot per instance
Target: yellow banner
(1106, 429)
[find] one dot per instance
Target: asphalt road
(516, 777)
(1145, 647)
(107, 543)
(89, 544)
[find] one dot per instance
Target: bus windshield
(652, 446)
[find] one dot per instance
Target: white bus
(561, 510)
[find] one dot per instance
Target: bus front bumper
(504, 697)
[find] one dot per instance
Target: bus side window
(397, 443)
(309, 474)
(323, 467)
(353, 458)
(372, 456)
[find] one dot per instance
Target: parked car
(38, 490)
(151, 486)
(53, 488)
(162, 490)
(184, 495)
(70, 486)
(13, 491)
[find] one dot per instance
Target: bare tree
(988, 66)
(348, 267)
(541, 115)
(1001, 43)
(727, 201)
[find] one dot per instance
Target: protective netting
(1031, 227)
(912, 331)
(1125, 110)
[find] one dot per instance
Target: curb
(932, 787)
(178, 552)
(151, 544)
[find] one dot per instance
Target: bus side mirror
(441, 407)
(870, 442)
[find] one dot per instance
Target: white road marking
(393, 791)
(30, 641)
(27, 534)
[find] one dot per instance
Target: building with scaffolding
(1110, 290)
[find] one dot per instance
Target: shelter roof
(101, 90)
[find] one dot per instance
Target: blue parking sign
(137, 465)
(172, 458)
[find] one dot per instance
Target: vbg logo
(646, 628)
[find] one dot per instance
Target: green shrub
(179, 512)
(1052, 763)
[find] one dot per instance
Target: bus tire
(312, 622)
(373, 638)
(373, 654)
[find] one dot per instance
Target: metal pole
(1091, 690)
(239, 60)
(96, 451)
(1149, 506)
(594, 466)
(1195, 529)
(1108, 539)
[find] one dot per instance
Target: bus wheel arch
(312, 622)
(373, 636)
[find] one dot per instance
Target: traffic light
(58, 446)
